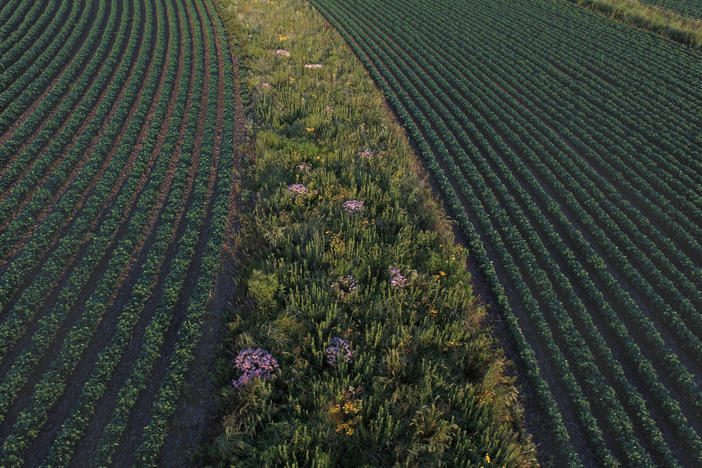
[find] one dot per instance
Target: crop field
(273, 263)
(116, 167)
(567, 147)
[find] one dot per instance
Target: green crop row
(190, 331)
(114, 207)
(11, 14)
(73, 428)
(19, 90)
(52, 384)
(161, 321)
(471, 121)
(38, 40)
(690, 8)
(25, 306)
(37, 19)
(21, 178)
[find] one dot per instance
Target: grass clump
(354, 298)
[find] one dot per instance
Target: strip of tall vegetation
(356, 339)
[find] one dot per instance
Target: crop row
(190, 226)
(52, 383)
(542, 254)
(76, 423)
(11, 13)
(32, 252)
(21, 90)
(115, 180)
(38, 39)
(216, 224)
(498, 114)
(33, 160)
(690, 8)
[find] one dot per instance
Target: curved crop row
(115, 182)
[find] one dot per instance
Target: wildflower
(303, 167)
(338, 348)
(291, 79)
(353, 206)
(313, 65)
(309, 129)
(298, 189)
(282, 38)
(367, 153)
(282, 52)
(254, 363)
(442, 273)
(265, 85)
(434, 312)
(329, 108)
(487, 458)
(397, 279)
(345, 286)
(344, 428)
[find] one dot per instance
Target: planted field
(116, 167)
(567, 148)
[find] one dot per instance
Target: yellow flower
(442, 273)
(345, 428)
(309, 129)
(433, 312)
(487, 458)
(291, 79)
(282, 38)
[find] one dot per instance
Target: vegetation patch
(356, 339)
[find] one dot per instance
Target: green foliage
(262, 288)
(101, 201)
(561, 202)
(424, 384)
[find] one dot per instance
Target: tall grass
(350, 278)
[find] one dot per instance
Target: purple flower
(367, 153)
(397, 279)
(254, 363)
(298, 189)
(353, 206)
(338, 348)
(345, 286)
